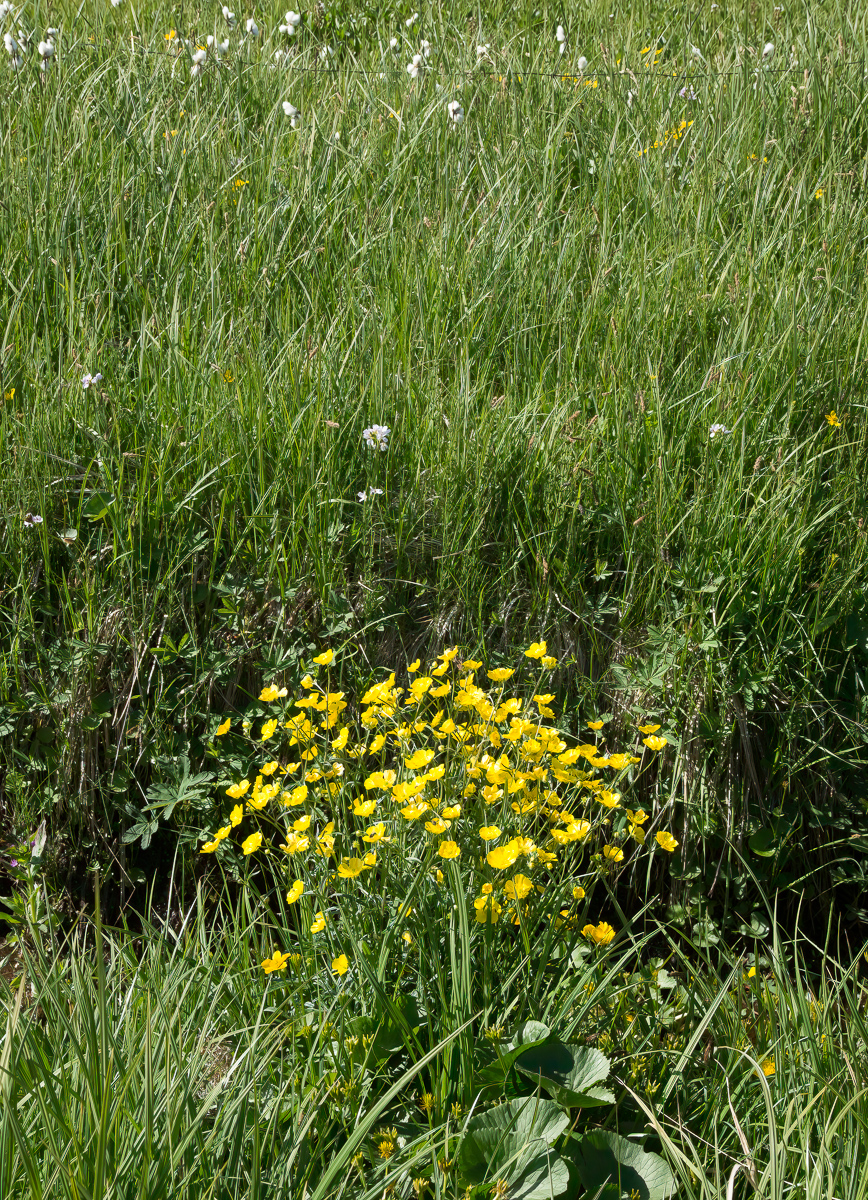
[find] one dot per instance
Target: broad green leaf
(501, 1142)
(97, 505)
(545, 1176)
(605, 1160)
(572, 1073)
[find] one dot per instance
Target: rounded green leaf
(501, 1142)
(605, 1160)
(572, 1073)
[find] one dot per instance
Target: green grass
(549, 322)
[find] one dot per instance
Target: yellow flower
(222, 833)
(489, 832)
(449, 849)
(340, 741)
(236, 816)
(518, 887)
(295, 892)
(325, 659)
(414, 811)
(578, 893)
(224, 728)
(600, 934)
(420, 759)
(209, 847)
(297, 796)
(595, 724)
(272, 692)
(639, 817)
(832, 418)
(501, 674)
(448, 655)
(350, 868)
(295, 844)
(376, 833)
(270, 767)
(648, 728)
(536, 650)
(252, 843)
(437, 825)
(238, 789)
(615, 853)
(666, 841)
(818, 194)
(548, 662)
(370, 860)
(340, 965)
(638, 834)
(302, 823)
(654, 743)
(276, 963)
(487, 909)
(768, 1067)
(502, 856)
(319, 923)
(413, 667)
(170, 36)
(451, 812)
(363, 808)
(268, 730)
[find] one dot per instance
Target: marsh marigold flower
(666, 841)
(600, 934)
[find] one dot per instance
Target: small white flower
(714, 7)
(362, 497)
(326, 53)
(291, 111)
(293, 18)
(375, 492)
(223, 47)
(560, 34)
(5, 10)
(716, 429)
(582, 64)
(592, 167)
(252, 28)
(90, 380)
(116, 3)
(687, 93)
(630, 96)
(393, 43)
(414, 67)
(768, 49)
(376, 437)
(456, 112)
(412, 20)
(199, 57)
(426, 48)
(51, 34)
(31, 519)
(228, 17)
(482, 51)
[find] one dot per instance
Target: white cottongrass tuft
(252, 28)
(456, 112)
(228, 17)
(482, 51)
(363, 496)
(377, 437)
(582, 64)
(768, 49)
(292, 21)
(411, 21)
(415, 66)
(293, 113)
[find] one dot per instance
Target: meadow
(517, 351)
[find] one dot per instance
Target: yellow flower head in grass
(325, 659)
(340, 741)
(302, 823)
(637, 833)
(600, 934)
(767, 1066)
(237, 790)
(383, 780)
(501, 674)
(376, 833)
(223, 832)
(833, 420)
(503, 856)
(272, 692)
(448, 655)
(595, 724)
(252, 843)
(350, 868)
(268, 730)
(646, 729)
(295, 892)
(610, 799)
(236, 816)
(614, 853)
(419, 760)
(270, 767)
(654, 743)
(277, 962)
(639, 817)
(666, 841)
(518, 887)
(297, 796)
(489, 832)
(578, 893)
(536, 650)
(295, 844)
(224, 728)
(487, 909)
(413, 667)
(341, 964)
(549, 662)
(363, 808)
(319, 923)
(414, 811)
(325, 843)
(451, 812)
(437, 825)
(449, 849)
(209, 847)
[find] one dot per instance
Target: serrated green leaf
(504, 1140)
(571, 1073)
(605, 1162)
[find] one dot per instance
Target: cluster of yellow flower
(671, 135)
(456, 768)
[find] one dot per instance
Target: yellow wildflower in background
(666, 841)
(768, 1067)
(325, 659)
(295, 892)
(252, 843)
(595, 724)
(648, 728)
(449, 849)
(832, 418)
(614, 853)
(654, 743)
(237, 790)
(341, 964)
(319, 923)
(277, 962)
(501, 674)
(536, 650)
(600, 934)
(489, 832)
(224, 728)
